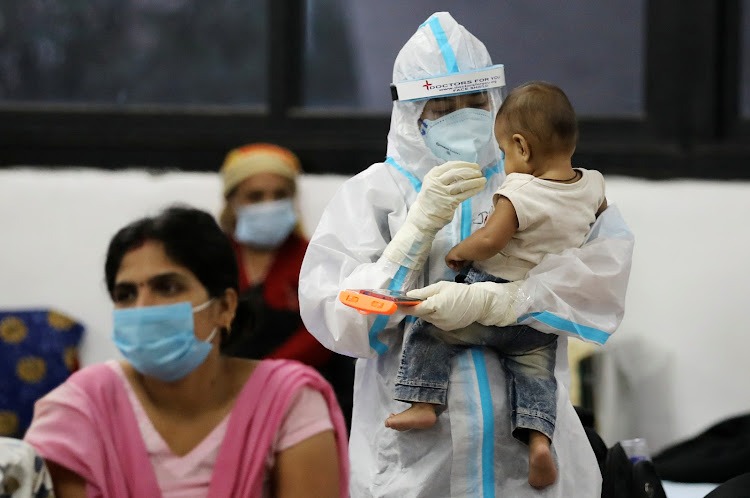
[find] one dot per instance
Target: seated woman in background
(259, 216)
(177, 417)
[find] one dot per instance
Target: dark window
(662, 87)
(593, 50)
(133, 51)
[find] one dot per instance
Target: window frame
(687, 130)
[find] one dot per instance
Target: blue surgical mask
(159, 341)
(266, 224)
(458, 136)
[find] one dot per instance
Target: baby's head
(535, 122)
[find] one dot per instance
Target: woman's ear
(228, 308)
(523, 147)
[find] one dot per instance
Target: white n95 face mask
(266, 224)
(458, 136)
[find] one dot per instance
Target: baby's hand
(454, 261)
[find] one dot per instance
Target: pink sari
(93, 432)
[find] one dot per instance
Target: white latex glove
(451, 306)
(444, 187)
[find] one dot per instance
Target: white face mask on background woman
(266, 224)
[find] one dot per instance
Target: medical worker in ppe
(391, 227)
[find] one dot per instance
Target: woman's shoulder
(277, 374)
(73, 402)
(248, 369)
(95, 376)
(92, 385)
(293, 380)
(268, 386)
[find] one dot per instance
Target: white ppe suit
(469, 451)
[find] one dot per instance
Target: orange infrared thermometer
(379, 301)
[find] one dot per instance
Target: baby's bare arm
(488, 240)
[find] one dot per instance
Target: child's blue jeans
(527, 356)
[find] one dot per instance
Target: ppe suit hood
(440, 47)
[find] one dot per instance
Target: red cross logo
(427, 84)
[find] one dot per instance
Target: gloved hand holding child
(451, 305)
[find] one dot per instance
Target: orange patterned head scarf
(246, 161)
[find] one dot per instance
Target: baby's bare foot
(419, 416)
(542, 471)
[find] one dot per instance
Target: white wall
(677, 365)
(682, 349)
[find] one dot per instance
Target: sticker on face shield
(452, 84)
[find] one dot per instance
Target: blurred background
(97, 95)
(662, 87)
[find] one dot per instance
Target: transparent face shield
(458, 111)
(450, 85)
(438, 108)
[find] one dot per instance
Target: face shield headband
(449, 85)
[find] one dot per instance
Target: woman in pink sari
(177, 418)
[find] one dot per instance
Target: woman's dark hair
(191, 238)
